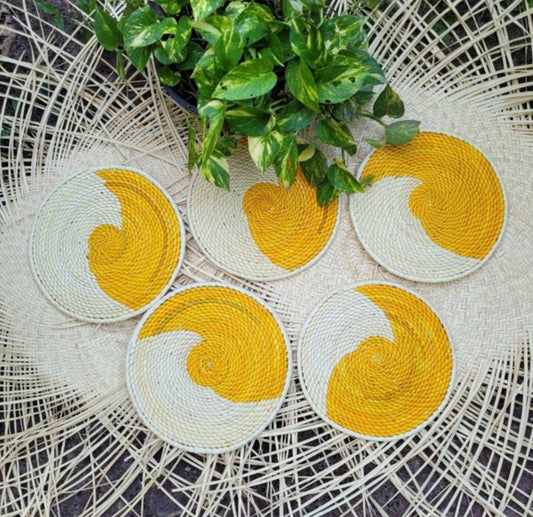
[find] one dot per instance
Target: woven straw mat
(71, 434)
(259, 230)
(436, 210)
(208, 368)
(106, 244)
(375, 361)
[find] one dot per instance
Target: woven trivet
(208, 368)
(375, 361)
(106, 244)
(435, 211)
(258, 230)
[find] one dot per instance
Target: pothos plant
(282, 74)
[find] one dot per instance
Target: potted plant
(268, 71)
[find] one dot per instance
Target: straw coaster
(375, 361)
(259, 230)
(435, 212)
(208, 368)
(106, 244)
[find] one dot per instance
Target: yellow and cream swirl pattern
(208, 368)
(259, 230)
(435, 211)
(375, 361)
(106, 244)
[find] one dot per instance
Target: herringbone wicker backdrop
(70, 435)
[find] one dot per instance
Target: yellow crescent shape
(459, 202)
(242, 355)
(133, 264)
(387, 388)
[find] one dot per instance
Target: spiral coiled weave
(375, 361)
(435, 212)
(106, 244)
(208, 368)
(259, 230)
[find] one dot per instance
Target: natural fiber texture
(70, 434)
(375, 361)
(106, 244)
(259, 230)
(208, 368)
(436, 210)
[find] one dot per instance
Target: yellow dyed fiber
(387, 388)
(242, 355)
(459, 202)
(289, 226)
(133, 264)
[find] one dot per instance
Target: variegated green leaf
(106, 30)
(168, 76)
(294, 117)
(253, 23)
(301, 84)
(339, 176)
(222, 33)
(337, 83)
(206, 74)
(388, 103)
(214, 112)
(337, 135)
(326, 193)
(172, 6)
(264, 149)
(203, 8)
(143, 28)
(306, 153)
(138, 56)
(250, 121)
(216, 170)
(343, 33)
(402, 132)
(286, 163)
(247, 80)
(316, 168)
(307, 42)
(175, 45)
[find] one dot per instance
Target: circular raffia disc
(436, 209)
(106, 244)
(259, 230)
(375, 361)
(73, 442)
(208, 368)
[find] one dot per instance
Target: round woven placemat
(259, 230)
(106, 244)
(375, 361)
(435, 212)
(208, 368)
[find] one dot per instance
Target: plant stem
(367, 114)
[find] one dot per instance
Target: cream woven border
(132, 388)
(398, 271)
(319, 412)
(131, 314)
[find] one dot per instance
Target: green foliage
(265, 71)
(47, 8)
(388, 103)
(402, 132)
(106, 29)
